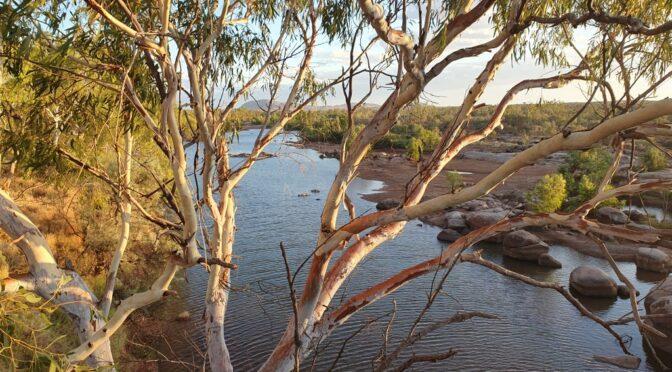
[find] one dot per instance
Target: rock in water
(653, 259)
(455, 220)
(448, 235)
(523, 245)
(547, 260)
(612, 216)
(636, 215)
(659, 302)
(623, 361)
(593, 282)
(387, 204)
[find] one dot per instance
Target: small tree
(654, 159)
(454, 180)
(548, 194)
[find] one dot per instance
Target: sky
(451, 86)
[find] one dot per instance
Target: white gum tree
(181, 68)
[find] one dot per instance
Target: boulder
(593, 282)
(547, 260)
(474, 205)
(524, 245)
(659, 302)
(623, 292)
(435, 219)
(612, 216)
(387, 204)
(520, 238)
(480, 219)
(636, 215)
(455, 220)
(653, 259)
(448, 235)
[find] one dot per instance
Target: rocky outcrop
(593, 282)
(525, 246)
(612, 216)
(659, 303)
(387, 204)
(653, 259)
(448, 235)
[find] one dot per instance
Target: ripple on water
(538, 329)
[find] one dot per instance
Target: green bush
(454, 181)
(414, 149)
(654, 159)
(583, 171)
(548, 194)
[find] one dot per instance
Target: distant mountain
(262, 104)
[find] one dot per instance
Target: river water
(537, 330)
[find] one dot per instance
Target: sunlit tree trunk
(62, 287)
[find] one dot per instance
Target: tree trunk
(217, 294)
(125, 229)
(62, 287)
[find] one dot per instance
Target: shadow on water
(538, 329)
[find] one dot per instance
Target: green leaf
(32, 297)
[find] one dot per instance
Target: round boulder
(653, 259)
(593, 282)
(611, 215)
(387, 204)
(448, 235)
(659, 302)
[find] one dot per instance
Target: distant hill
(262, 104)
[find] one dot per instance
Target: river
(538, 329)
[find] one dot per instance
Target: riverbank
(395, 170)
(476, 162)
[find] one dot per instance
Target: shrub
(454, 181)
(548, 194)
(583, 171)
(653, 159)
(414, 149)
